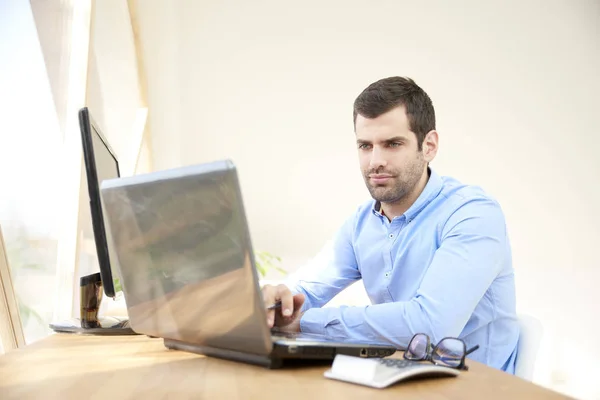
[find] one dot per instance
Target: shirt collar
(430, 192)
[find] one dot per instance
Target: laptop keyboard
(297, 336)
(286, 335)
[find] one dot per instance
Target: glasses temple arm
(472, 349)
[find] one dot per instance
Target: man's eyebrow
(390, 140)
(396, 139)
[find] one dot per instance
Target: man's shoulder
(457, 194)
(468, 202)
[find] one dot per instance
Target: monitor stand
(89, 322)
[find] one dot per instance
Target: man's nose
(377, 159)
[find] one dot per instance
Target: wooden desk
(88, 367)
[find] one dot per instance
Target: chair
(530, 336)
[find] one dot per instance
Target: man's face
(389, 155)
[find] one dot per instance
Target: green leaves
(266, 262)
(117, 285)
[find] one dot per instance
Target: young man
(433, 254)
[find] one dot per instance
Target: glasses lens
(417, 348)
(449, 352)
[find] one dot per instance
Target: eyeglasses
(449, 352)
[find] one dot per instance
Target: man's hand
(287, 317)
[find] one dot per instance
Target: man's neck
(393, 210)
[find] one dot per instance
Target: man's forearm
(376, 323)
(393, 323)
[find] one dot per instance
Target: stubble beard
(401, 185)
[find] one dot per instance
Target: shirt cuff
(315, 320)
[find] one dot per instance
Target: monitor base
(107, 326)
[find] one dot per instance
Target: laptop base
(284, 355)
(263, 361)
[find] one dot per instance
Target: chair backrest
(530, 336)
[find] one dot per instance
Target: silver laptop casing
(180, 241)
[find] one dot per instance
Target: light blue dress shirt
(443, 268)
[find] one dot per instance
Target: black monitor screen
(100, 164)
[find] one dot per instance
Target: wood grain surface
(69, 366)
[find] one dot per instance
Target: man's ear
(430, 145)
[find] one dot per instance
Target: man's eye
(395, 144)
(364, 146)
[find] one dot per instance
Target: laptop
(181, 243)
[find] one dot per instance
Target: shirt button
(387, 274)
(391, 235)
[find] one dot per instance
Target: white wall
(116, 103)
(515, 84)
(113, 91)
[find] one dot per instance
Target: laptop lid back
(181, 242)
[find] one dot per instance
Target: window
(34, 139)
(30, 145)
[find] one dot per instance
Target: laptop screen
(181, 241)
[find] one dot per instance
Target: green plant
(266, 261)
(117, 285)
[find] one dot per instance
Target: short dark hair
(388, 93)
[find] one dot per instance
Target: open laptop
(181, 242)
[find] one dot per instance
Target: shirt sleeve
(332, 270)
(472, 251)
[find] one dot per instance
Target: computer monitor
(100, 163)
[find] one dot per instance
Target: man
(433, 253)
